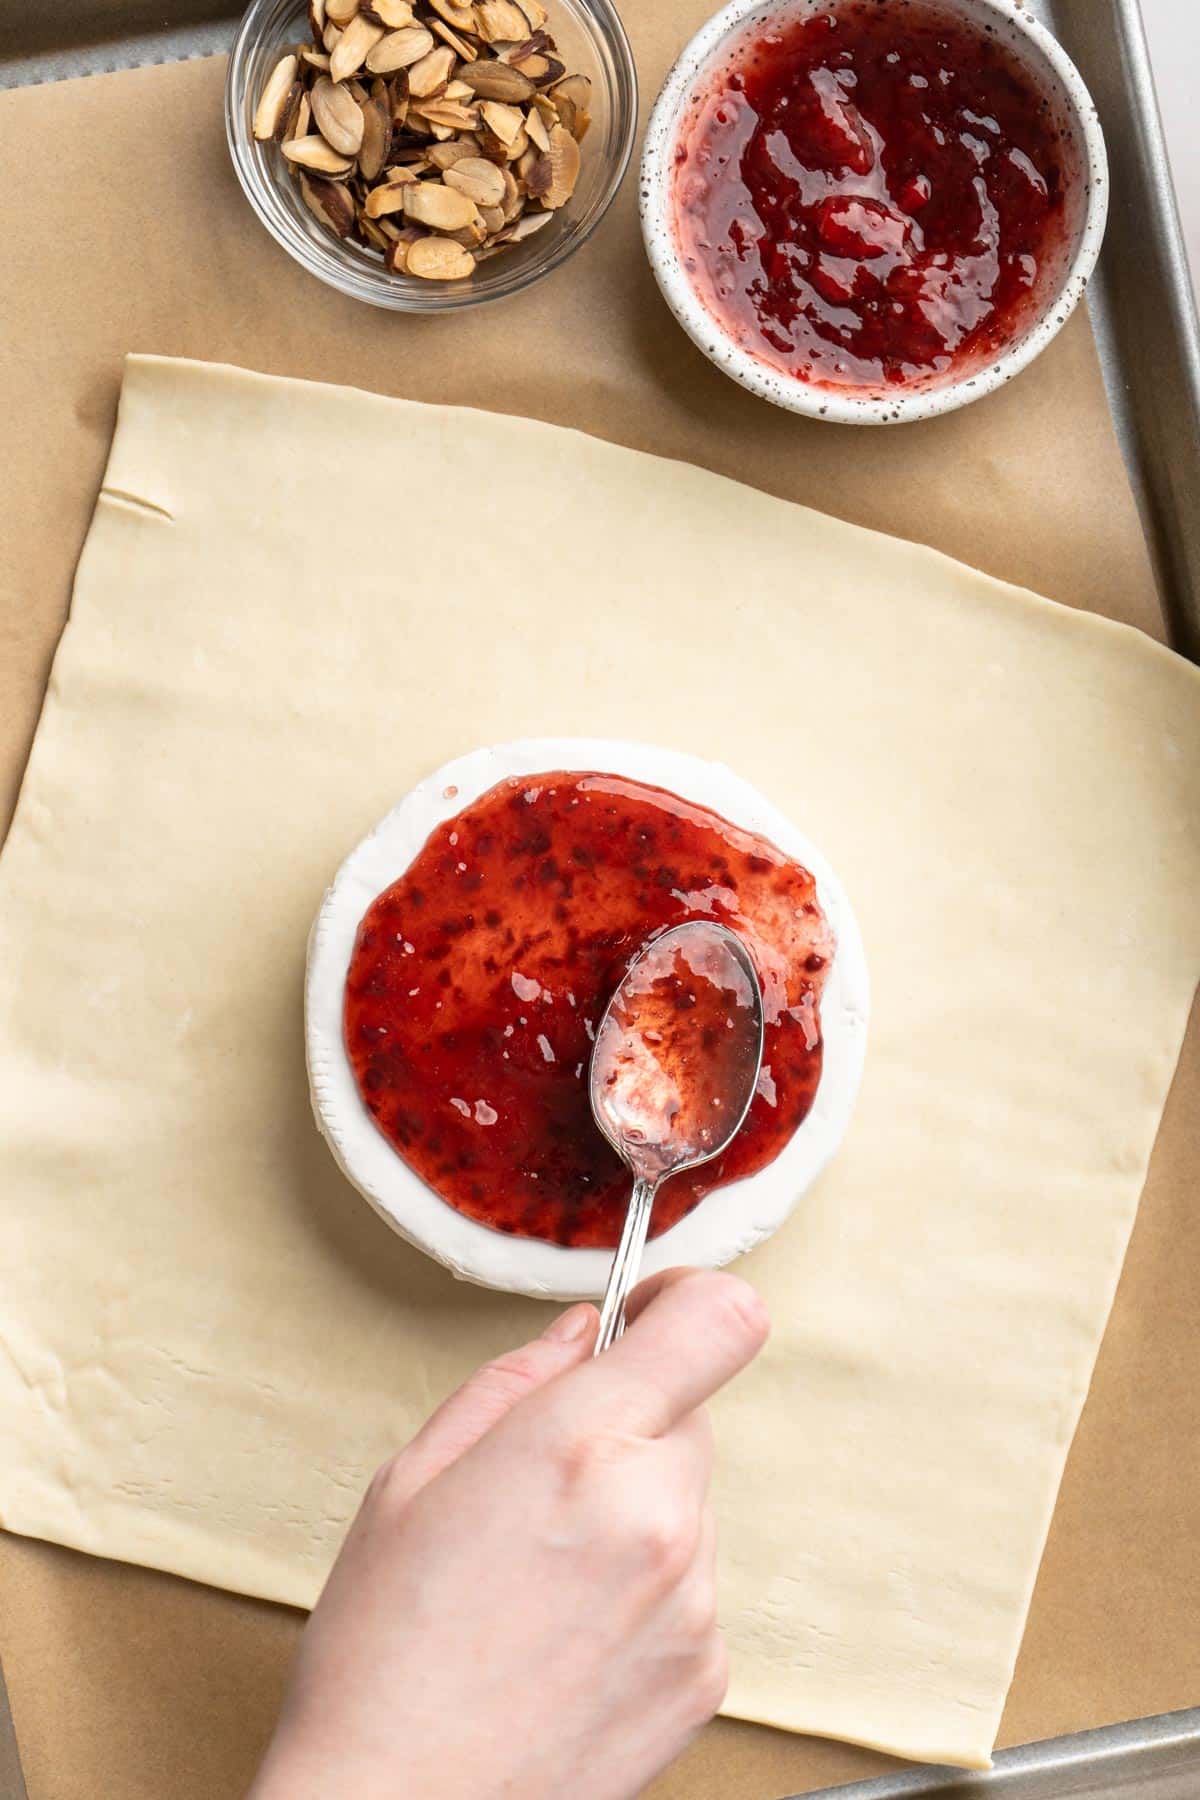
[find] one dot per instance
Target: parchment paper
(132, 1684)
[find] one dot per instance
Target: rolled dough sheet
(295, 601)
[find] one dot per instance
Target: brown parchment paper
(131, 1684)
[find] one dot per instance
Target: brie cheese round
(729, 1220)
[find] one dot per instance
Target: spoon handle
(626, 1262)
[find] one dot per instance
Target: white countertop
(1173, 31)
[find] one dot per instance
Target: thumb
(488, 1396)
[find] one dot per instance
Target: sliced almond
(564, 159)
(273, 103)
(524, 166)
(493, 219)
(316, 19)
(535, 125)
(354, 47)
(370, 233)
(401, 242)
(527, 225)
(519, 145)
(340, 12)
(458, 90)
(432, 72)
(328, 203)
(471, 236)
(538, 67)
(501, 21)
(331, 37)
(457, 13)
(493, 80)
(440, 208)
(299, 114)
(391, 13)
(535, 12)
(438, 259)
(572, 98)
(388, 198)
(504, 122)
(479, 180)
(400, 49)
(337, 116)
(460, 45)
(448, 115)
(446, 156)
(316, 59)
(314, 153)
(513, 199)
(376, 138)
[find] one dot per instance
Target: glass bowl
(591, 41)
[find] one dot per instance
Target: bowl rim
(845, 407)
(338, 272)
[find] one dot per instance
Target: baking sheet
(127, 1683)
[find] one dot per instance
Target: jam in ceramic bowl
(873, 210)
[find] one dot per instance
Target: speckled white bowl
(1087, 204)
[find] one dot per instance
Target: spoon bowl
(673, 1071)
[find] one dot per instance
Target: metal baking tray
(1144, 317)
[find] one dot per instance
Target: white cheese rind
(727, 1222)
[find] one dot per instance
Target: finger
(690, 1444)
(489, 1396)
(647, 1290)
(693, 1336)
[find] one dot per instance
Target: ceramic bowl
(1063, 281)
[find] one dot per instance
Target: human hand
(525, 1603)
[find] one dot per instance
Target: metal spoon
(673, 1071)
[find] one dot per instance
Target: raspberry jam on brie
(479, 977)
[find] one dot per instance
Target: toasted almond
(328, 203)
(385, 199)
(298, 117)
(390, 13)
(448, 115)
(457, 13)
(438, 259)
(519, 145)
(513, 199)
(460, 45)
(527, 225)
(340, 12)
(331, 37)
(398, 248)
(563, 158)
(400, 49)
(432, 72)
(370, 233)
(457, 90)
(504, 122)
(354, 47)
(471, 236)
(431, 204)
(274, 100)
(535, 125)
(501, 21)
(316, 59)
(493, 80)
(337, 116)
(572, 98)
(493, 219)
(376, 138)
(527, 162)
(446, 156)
(535, 12)
(480, 180)
(314, 153)
(316, 19)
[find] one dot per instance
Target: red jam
(478, 981)
(676, 1059)
(865, 197)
